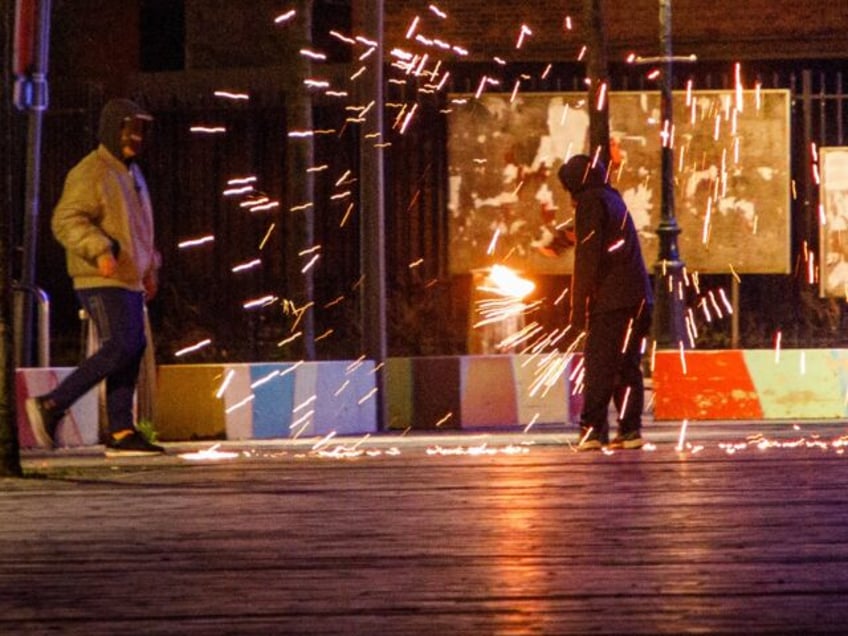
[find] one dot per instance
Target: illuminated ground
(733, 532)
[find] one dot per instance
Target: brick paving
(454, 534)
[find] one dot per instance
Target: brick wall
(95, 39)
(221, 33)
(722, 29)
(99, 38)
(226, 34)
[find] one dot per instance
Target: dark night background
(171, 55)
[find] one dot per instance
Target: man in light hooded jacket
(104, 220)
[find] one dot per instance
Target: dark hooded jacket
(609, 272)
(105, 206)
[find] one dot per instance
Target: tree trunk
(598, 76)
(300, 222)
(368, 18)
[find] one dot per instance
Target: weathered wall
(712, 30)
(221, 33)
(96, 38)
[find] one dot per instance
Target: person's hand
(564, 238)
(151, 285)
(107, 264)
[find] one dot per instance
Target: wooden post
(598, 76)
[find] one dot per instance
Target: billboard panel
(732, 176)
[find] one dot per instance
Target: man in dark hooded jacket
(611, 301)
(104, 220)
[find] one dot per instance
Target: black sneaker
(132, 445)
(42, 421)
(627, 441)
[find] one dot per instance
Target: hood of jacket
(582, 173)
(112, 118)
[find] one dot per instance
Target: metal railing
(21, 295)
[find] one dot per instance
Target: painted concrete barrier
(286, 399)
(280, 400)
(467, 392)
(751, 384)
(265, 400)
(80, 425)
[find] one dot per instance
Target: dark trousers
(118, 316)
(612, 359)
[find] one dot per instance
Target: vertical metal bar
(300, 180)
(668, 247)
(23, 296)
(43, 301)
(806, 161)
(823, 127)
(372, 204)
(840, 119)
(734, 319)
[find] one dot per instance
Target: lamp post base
(670, 306)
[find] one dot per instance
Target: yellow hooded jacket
(105, 205)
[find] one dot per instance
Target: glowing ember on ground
(480, 449)
(330, 447)
(210, 454)
(352, 452)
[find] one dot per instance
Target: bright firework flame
(505, 282)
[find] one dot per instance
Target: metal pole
(31, 95)
(301, 182)
(669, 317)
(372, 206)
(20, 296)
(734, 320)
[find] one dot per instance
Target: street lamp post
(30, 58)
(669, 320)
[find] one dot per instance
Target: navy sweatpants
(118, 316)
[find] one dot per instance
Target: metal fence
(428, 308)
